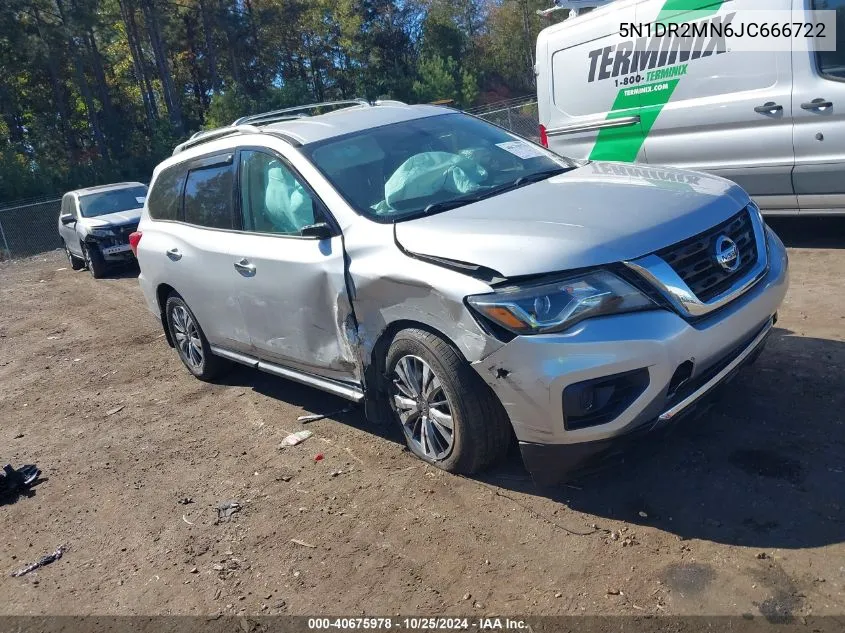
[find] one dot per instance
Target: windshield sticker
(523, 150)
(140, 199)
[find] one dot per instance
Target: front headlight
(557, 306)
(102, 232)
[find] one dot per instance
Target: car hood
(115, 219)
(597, 214)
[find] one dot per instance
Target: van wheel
(190, 342)
(75, 262)
(449, 416)
(94, 261)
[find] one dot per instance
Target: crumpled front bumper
(529, 374)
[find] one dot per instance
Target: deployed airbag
(425, 174)
(287, 204)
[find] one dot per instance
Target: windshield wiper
(538, 176)
(446, 205)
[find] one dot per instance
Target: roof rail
(284, 114)
(212, 135)
(249, 124)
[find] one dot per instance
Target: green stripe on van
(689, 10)
(624, 143)
(647, 101)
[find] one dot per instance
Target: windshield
(112, 201)
(413, 168)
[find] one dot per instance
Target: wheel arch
(374, 370)
(163, 291)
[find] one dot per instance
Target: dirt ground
(738, 512)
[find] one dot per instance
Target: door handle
(817, 104)
(769, 108)
(174, 254)
(244, 267)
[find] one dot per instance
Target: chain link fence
(30, 228)
(520, 116)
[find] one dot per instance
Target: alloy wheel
(187, 337)
(423, 408)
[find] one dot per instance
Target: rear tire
(76, 263)
(94, 261)
(447, 391)
(190, 341)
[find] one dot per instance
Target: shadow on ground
(313, 401)
(762, 468)
(809, 232)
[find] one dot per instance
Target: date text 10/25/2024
(417, 624)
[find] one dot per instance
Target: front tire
(190, 341)
(75, 262)
(449, 416)
(94, 261)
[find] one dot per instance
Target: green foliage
(229, 105)
(94, 91)
(437, 79)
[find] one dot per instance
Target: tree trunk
(171, 100)
(127, 12)
(196, 80)
(12, 116)
(59, 92)
(256, 44)
(209, 47)
(112, 124)
(233, 56)
(82, 84)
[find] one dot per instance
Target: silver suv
(95, 224)
(456, 278)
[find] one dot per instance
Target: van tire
(481, 433)
(181, 319)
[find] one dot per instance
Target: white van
(772, 121)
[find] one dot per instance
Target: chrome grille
(124, 231)
(694, 259)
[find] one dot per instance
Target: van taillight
(134, 239)
(544, 138)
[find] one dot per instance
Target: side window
(208, 197)
(832, 63)
(272, 199)
(165, 198)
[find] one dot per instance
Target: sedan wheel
(423, 408)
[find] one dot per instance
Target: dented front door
(293, 297)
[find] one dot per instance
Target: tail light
(134, 240)
(544, 138)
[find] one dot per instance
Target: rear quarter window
(209, 197)
(165, 198)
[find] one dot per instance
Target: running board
(344, 390)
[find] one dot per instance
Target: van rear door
(725, 112)
(819, 114)
(579, 87)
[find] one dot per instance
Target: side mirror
(67, 218)
(320, 230)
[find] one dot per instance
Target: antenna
(575, 7)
